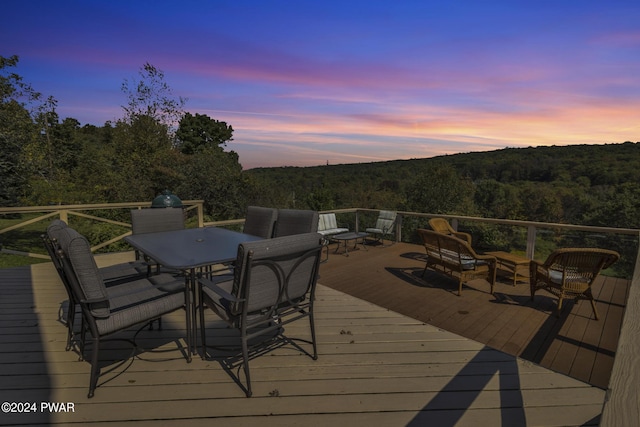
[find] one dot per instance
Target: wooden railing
(88, 211)
(622, 404)
(41, 213)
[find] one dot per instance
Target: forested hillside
(48, 160)
(583, 184)
(157, 145)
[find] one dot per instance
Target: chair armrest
(93, 300)
(538, 268)
(463, 236)
(218, 290)
(489, 259)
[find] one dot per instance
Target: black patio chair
(260, 221)
(385, 226)
(154, 220)
(295, 221)
(113, 275)
(273, 285)
(105, 313)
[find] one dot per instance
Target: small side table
(357, 237)
(516, 265)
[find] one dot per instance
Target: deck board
(377, 366)
(509, 321)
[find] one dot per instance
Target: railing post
(531, 241)
(357, 221)
(200, 215)
(64, 217)
(621, 401)
(399, 228)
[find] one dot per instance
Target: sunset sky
(346, 81)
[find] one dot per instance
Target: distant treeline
(596, 185)
(578, 184)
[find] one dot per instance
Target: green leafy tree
(216, 177)
(142, 157)
(151, 96)
(17, 130)
(494, 199)
(142, 141)
(201, 131)
(441, 190)
(541, 202)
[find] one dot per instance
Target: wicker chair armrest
(488, 258)
(534, 265)
(463, 236)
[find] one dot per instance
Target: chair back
(327, 221)
(51, 241)
(386, 220)
(154, 220)
(441, 225)
(572, 264)
(275, 273)
(82, 272)
(448, 248)
(260, 221)
(295, 221)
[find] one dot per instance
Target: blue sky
(309, 82)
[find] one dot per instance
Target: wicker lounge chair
(105, 313)
(273, 285)
(441, 225)
(570, 272)
(456, 258)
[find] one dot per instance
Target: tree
(17, 130)
(216, 177)
(199, 131)
(441, 190)
(151, 96)
(142, 141)
(494, 199)
(142, 159)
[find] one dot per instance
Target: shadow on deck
(574, 344)
(379, 364)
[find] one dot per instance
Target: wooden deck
(574, 344)
(380, 362)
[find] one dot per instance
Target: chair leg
(425, 270)
(95, 369)
(203, 334)
(593, 303)
(595, 312)
(245, 357)
(559, 309)
(71, 318)
(313, 336)
(83, 337)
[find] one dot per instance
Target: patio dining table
(190, 251)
